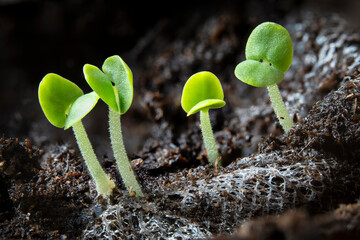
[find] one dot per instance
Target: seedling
(202, 92)
(64, 105)
(269, 53)
(114, 85)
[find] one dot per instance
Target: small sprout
(269, 53)
(64, 105)
(201, 92)
(114, 85)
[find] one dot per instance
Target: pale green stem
(122, 161)
(279, 107)
(104, 185)
(208, 136)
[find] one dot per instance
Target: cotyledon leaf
(56, 95)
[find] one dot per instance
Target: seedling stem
(104, 185)
(208, 136)
(279, 107)
(122, 161)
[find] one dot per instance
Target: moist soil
(304, 184)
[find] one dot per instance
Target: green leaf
(206, 104)
(271, 42)
(56, 95)
(258, 74)
(121, 75)
(202, 90)
(114, 85)
(101, 84)
(80, 108)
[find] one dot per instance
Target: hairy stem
(104, 185)
(122, 161)
(279, 107)
(208, 136)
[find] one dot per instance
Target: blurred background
(38, 37)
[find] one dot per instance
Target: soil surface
(304, 184)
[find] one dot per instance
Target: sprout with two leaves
(114, 85)
(202, 92)
(269, 53)
(64, 105)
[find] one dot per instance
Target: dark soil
(304, 184)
